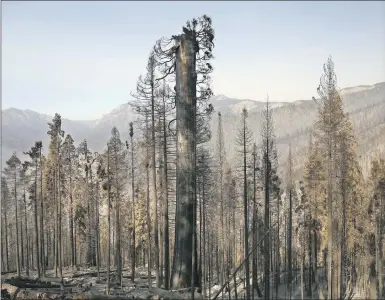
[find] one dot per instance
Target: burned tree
(188, 60)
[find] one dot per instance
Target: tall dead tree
(255, 225)
(185, 168)
(5, 198)
(39, 146)
(34, 155)
(11, 173)
(165, 95)
(221, 157)
(24, 178)
(328, 93)
(133, 254)
(290, 222)
(146, 99)
(269, 177)
(243, 141)
(188, 59)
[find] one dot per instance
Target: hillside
(365, 104)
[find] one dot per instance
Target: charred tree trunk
(6, 234)
(204, 237)
(133, 254)
(17, 229)
(59, 226)
(108, 221)
(289, 243)
(153, 190)
(71, 218)
(183, 269)
(166, 233)
(42, 252)
(148, 216)
(267, 227)
(26, 232)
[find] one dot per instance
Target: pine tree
(243, 141)
(221, 161)
(56, 134)
(34, 155)
(271, 185)
(133, 254)
(39, 147)
(290, 187)
(5, 199)
(70, 159)
(378, 187)
(24, 176)
(11, 174)
(146, 96)
(118, 166)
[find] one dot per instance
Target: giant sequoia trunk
(183, 270)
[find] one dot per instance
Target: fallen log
(26, 285)
(35, 283)
(92, 273)
(140, 276)
(187, 290)
(9, 291)
(169, 295)
(89, 296)
(8, 272)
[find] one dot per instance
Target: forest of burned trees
(161, 199)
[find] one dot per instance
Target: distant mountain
(293, 120)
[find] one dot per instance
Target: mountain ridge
(366, 104)
(219, 98)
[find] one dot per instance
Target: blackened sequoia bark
(184, 269)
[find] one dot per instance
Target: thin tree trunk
(108, 221)
(149, 260)
(222, 226)
(166, 233)
(133, 246)
(56, 221)
(153, 190)
(22, 241)
(59, 225)
(71, 217)
(5, 205)
(36, 226)
(97, 232)
(267, 212)
(380, 253)
(289, 243)
(204, 237)
(302, 280)
(17, 229)
(26, 232)
(330, 204)
(245, 215)
(118, 250)
(42, 252)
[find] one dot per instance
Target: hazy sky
(82, 59)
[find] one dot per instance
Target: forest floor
(282, 292)
(84, 284)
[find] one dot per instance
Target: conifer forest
(160, 215)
